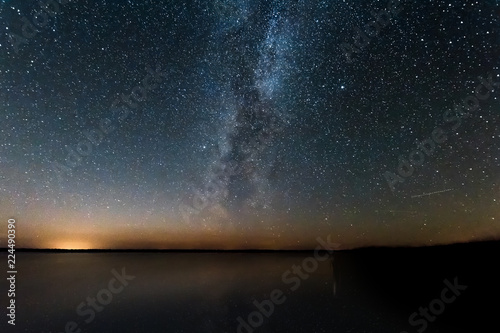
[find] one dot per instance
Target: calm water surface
(353, 291)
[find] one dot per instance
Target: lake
(369, 290)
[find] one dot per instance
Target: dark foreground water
(371, 290)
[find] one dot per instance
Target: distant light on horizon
(72, 245)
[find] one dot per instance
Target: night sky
(249, 124)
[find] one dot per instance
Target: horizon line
(20, 249)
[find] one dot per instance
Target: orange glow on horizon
(71, 245)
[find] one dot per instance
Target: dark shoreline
(456, 246)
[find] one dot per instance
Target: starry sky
(249, 124)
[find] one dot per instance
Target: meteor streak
(431, 193)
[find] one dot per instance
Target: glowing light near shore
(71, 245)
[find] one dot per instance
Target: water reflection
(207, 292)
